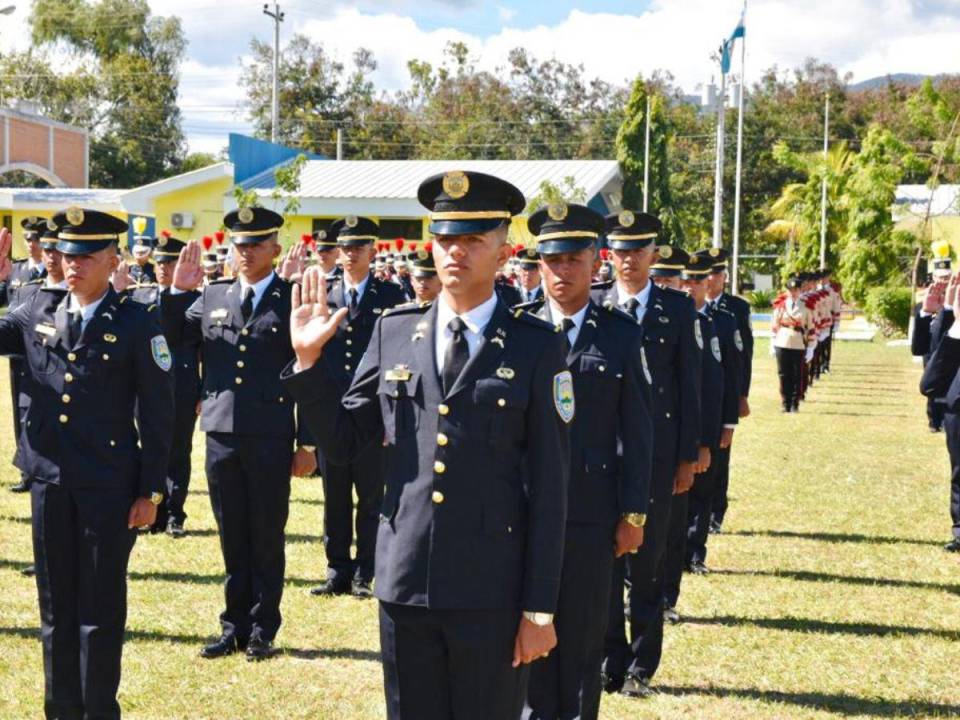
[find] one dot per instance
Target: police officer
(239, 325)
(96, 363)
(142, 271)
(186, 373)
(426, 283)
(327, 249)
(606, 509)
(920, 340)
(528, 274)
(366, 299)
(472, 403)
(672, 343)
(23, 272)
(718, 298)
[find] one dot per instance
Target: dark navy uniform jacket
(673, 356)
(920, 340)
(614, 416)
(20, 275)
(740, 309)
(242, 361)
(940, 378)
(80, 427)
(508, 294)
(353, 335)
(711, 384)
(732, 356)
(476, 479)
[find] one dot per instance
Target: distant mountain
(909, 79)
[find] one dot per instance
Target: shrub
(761, 299)
(890, 308)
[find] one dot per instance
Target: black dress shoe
(637, 687)
(953, 545)
(362, 589)
(715, 528)
(698, 568)
(331, 587)
(28, 571)
(259, 649)
(175, 529)
(611, 683)
(671, 615)
(226, 645)
(21, 487)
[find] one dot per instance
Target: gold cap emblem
(75, 216)
(665, 251)
(245, 215)
(51, 226)
(32, 220)
(557, 211)
(694, 259)
(422, 254)
(456, 184)
(351, 221)
(714, 252)
(626, 218)
(321, 234)
(162, 241)
(531, 253)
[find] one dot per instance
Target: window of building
(407, 228)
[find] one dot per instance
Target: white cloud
(505, 14)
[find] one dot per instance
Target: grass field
(831, 595)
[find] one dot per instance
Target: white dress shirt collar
(259, 288)
(86, 311)
(578, 318)
(360, 287)
(643, 297)
(476, 321)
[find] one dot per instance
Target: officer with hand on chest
(608, 495)
(366, 298)
(96, 443)
(472, 402)
(240, 327)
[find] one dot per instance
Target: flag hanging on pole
(740, 31)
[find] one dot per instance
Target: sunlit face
(90, 273)
(672, 282)
(697, 289)
(426, 287)
(255, 260)
(469, 263)
(33, 247)
(53, 262)
(165, 271)
(567, 276)
(633, 265)
(529, 276)
(356, 259)
(715, 282)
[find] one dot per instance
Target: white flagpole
(735, 276)
(718, 179)
(823, 197)
(646, 157)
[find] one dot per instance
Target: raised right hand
(6, 265)
(188, 275)
(933, 300)
(311, 324)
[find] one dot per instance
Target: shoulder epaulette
(678, 293)
(528, 306)
(601, 285)
(406, 309)
(139, 285)
(55, 289)
(619, 313)
(221, 281)
(35, 281)
(520, 314)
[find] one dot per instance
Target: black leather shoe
(175, 529)
(953, 545)
(611, 683)
(715, 528)
(671, 615)
(28, 571)
(698, 568)
(226, 645)
(637, 687)
(362, 589)
(21, 487)
(331, 587)
(259, 649)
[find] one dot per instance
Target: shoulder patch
(715, 348)
(161, 353)
(697, 335)
(563, 399)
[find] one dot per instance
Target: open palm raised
(311, 324)
(188, 275)
(6, 266)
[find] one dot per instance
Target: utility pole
(646, 159)
(823, 193)
(718, 179)
(275, 110)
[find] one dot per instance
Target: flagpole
(718, 178)
(823, 192)
(646, 157)
(735, 278)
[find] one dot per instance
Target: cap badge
(557, 211)
(422, 254)
(51, 225)
(456, 184)
(245, 215)
(665, 251)
(162, 241)
(351, 221)
(75, 216)
(626, 218)
(714, 252)
(321, 234)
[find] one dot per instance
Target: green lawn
(831, 595)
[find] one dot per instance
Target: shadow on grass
(835, 537)
(291, 537)
(860, 414)
(809, 625)
(840, 703)
(806, 576)
(298, 500)
(187, 639)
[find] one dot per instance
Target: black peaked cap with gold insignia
(717, 257)
(324, 239)
(50, 235)
(352, 231)
(670, 261)
(698, 267)
(628, 230)
(562, 227)
(252, 224)
(468, 203)
(33, 226)
(167, 248)
(422, 261)
(528, 256)
(81, 232)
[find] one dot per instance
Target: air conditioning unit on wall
(181, 220)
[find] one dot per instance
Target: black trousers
(646, 588)
(566, 684)
(789, 368)
(951, 427)
(827, 351)
(676, 555)
(249, 481)
(16, 370)
(81, 546)
(721, 485)
(339, 481)
(935, 413)
(181, 447)
(450, 664)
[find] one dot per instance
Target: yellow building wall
(204, 201)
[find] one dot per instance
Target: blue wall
(251, 156)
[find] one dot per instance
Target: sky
(614, 39)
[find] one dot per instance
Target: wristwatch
(156, 498)
(538, 618)
(638, 520)
(308, 448)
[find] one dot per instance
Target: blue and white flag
(740, 31)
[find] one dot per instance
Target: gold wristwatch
(538, 618)
(636, 519)
(308, 448)
(156, 498)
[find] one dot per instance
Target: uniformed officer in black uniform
(740, 308)
(530, 285)
(426, 283)
(606, 508)
(186, 373)
(472, 403)
(96, 441)
(240, 327)
(23, 273)
(142, 270)
(366, 298)
(327, 249)
(672, 343)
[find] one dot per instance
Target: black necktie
(631, 305)
(246, 307)
(74, 328)
(566, 326)
(353, 301)
(456, 355)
